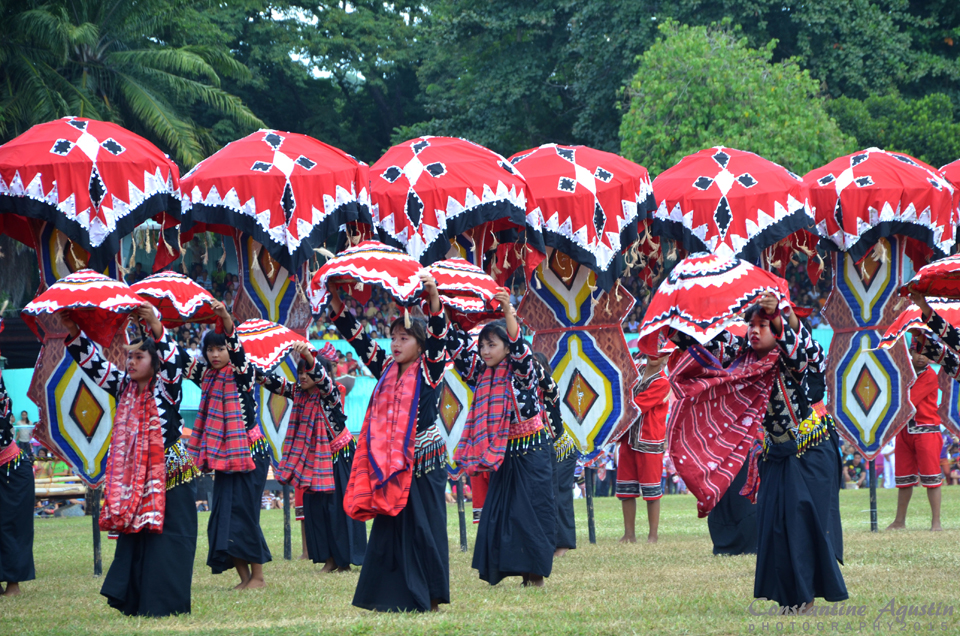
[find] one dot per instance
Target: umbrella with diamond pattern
(431, 190)
(92, 180)
(287, 191)
(729, 202)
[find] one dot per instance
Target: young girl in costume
(150, 495)
(17, 493)
(317, 455)
(564, 457)
(640, 465)
(505, 435)
(227, 439)
(724, 388)
(398, 475)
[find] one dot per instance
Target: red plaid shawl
(307, 462)
(717, 418)
(136, 484)
(219, 440)
(383, 462)
(484, 439)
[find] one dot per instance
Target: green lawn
(674, 587)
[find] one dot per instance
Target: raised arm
(193, 366)
(88, 357)
(725, 347)
(462, 349)
(350, 330)
(276, 383)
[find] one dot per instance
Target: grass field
(674, 587)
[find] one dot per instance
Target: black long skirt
(517, 531)
(17, 494)
(330, 533)
(733, 521)
(563, 493)
(151, 573)
(234, 527)
(407, 563)
(800, 542)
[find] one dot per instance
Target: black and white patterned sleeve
(934, 349)
(435, 355)
(725, 347)
(6, 428)
(551, 400)
(369, 351)
(193, 366)
(171, 370)
(276, 383)
(244, 373)
(88, 357)
(462, 349)
(525, 375)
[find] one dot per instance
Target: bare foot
(652, 538)
(535, 581)
(897, 525)
(936, 527)
(525, 581)
(628, 539)
(808, 609)
(328, 567)
(242, 585)
(343, 569)
(559, 552)
(13, 589)
(304, 556)
(434, 605)
(255, 584)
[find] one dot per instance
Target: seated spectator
(331, 333)
(203, 279)
(228, 300)
(353, 367)
(136, 275)
(341, 367)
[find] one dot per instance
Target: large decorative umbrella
(591, 202)
(729, 202)
(92, 180)
(370, 263)
(428, 191)
(177, 297)
(912, 318)
(287, 191)
(266, 343)
(940, 279)
(871, 194)
(952, 172)
(98, 304)
(703, 295)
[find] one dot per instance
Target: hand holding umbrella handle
(921, 301)
(509, 315)
(69, 324)
(770, 310)
(146, 313)
(430, 288)
(221, 311)
(305, 352)
(336, 303)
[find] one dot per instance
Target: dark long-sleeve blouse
(800, 372)
(328, 389)
(6, 428)
(564, 445)
(524, 377)
(167, 391)
(429, 449)
(944, 349)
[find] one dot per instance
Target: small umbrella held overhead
(266, 343)
(177, 297)
(467, 291)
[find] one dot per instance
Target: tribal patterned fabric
(92, 180)
(939, 279)
(177, 297)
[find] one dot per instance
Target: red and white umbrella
(92, 180)
(940, 279)
(429, 190)
(591, 202)
(370, 263)
(177, 297)
(98, 304)
(861, 198)
(266, 343)
(912, 318)
(467, 291)
(952, 172)
(729, 202)
(288, 191)
(703, 295)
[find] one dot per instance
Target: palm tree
(109, 60)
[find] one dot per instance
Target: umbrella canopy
(703, 295)
(466, 290)
(429, 190)
(861, 198)
(370, 263)
(288, 191)
(98, 304)
(940, 279)
(729, 202)
(590, 201)
(912, 318)
(177, 297)
(266, 343)
(92, 180)
(952, 172)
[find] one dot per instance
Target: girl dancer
(150, 494)
(227, 440)
(505, 434)
(317, 455)
(16, 505)
(398, 475)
